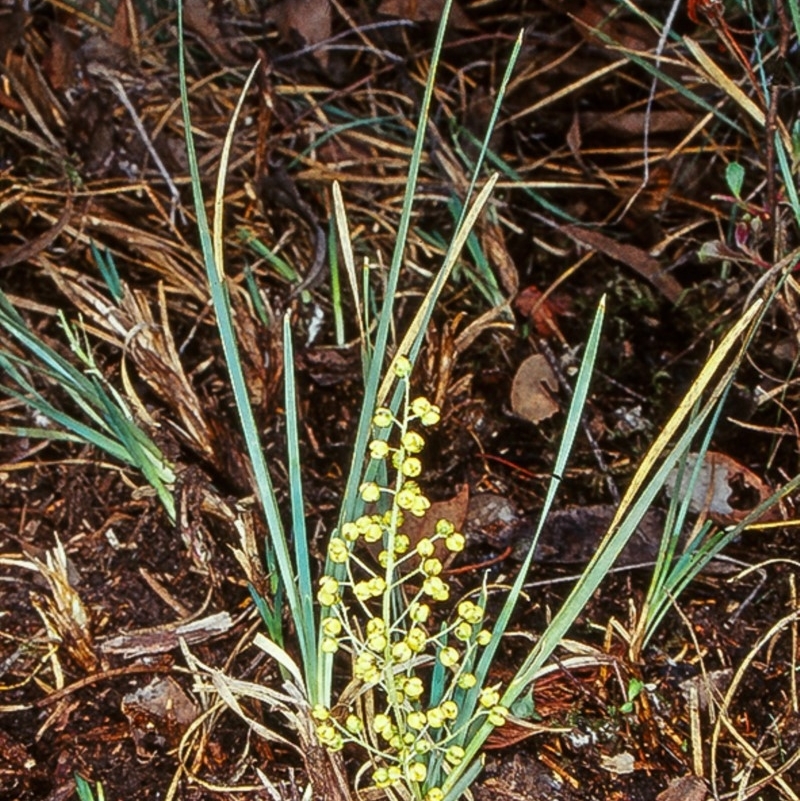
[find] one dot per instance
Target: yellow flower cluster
(385, 627)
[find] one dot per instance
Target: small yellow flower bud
(463, 631)
(392, 518)
(436, 588)
(489, 697)
(420, 406)
(329, 645)
(320, 713)
(498, 715)
(401, 544)
(401, 652)
(455, 754)
(411, 467)
(379, 449)
(431, 417)
(455, 542)
(370, 492)
(434, 794)
(373, 533)
(365, 668)
(419, 506)
(381, 723)
(350, 532)
(471, 612)
(484, 637)
(405, 498)
(332, 626)
(414, 688)
(448, 656)
(449, 709)
(416, 639)
(435, 718)
(328, 594)
(327, 735)
(383, 417)
(432, 566)
(413, 442)
(444, 527)
(419, 612)
(402, 367)
(466, 681)
(376, 625)
(425, 548)
(417, 772)
(353, 724)
(416, 720)
(381, 778)
(338, 552)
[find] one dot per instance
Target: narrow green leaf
(734, 176)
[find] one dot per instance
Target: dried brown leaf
(425, 11)
(634, 123)
(494, 246)
(453, 509)
(637, 259)
(35, 246)
(123, 30)
(684, 788)
(531, 392)
(163, 639)
(309, 19)
(199, 20)
(12, 30)
(59, 61)
(159, 712)
(632, 35)
(725, 490)
(542, 312)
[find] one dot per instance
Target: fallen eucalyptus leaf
(533, 388)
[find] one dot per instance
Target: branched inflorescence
(382, 616)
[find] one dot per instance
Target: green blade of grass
(378, 354)
(343, 231)
(637, 500)
(299, 533)
(473, 744)
(108, 269)
(112, 427)
(414, 336)
(213, 259)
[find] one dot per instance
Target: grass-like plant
(103, 417)
(422, 700)
(85, 791)
(422, 696)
